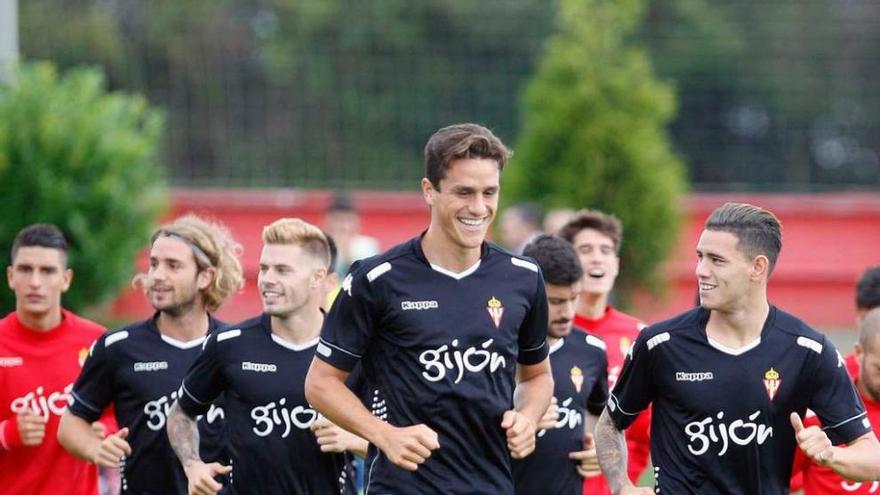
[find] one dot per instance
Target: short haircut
(605, 224)
(529, 213)
(757, 230)
(334, 252)
(296, 232)
(868, 289)
(557, 258)
(212, 246)
(461, 141)
(43, 235)
(870, 329)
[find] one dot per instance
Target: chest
(148, 371)
(40, 380)
(261, 372)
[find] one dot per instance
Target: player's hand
(549, 419)
(813, 441)
(332, 438)
(200, 477)
(111, 449)
(99, 429)
(520, 433)
(31, 428)
(408, 447)
(587, 460)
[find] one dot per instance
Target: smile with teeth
(472, 222)
(596, 273)
(706, 286)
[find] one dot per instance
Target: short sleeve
(599, 395)
(93, 390)
(835, 400)
(634, 390)
(205, 380)
(532, 341)
(351, 323)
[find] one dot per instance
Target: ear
(205, 277)
(760, 268)
(68, 278)
(318, 276)
(859, 351)
(428, 191)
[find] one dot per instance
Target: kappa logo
(11, 361)
(259, 367)
(698, 376)
(418, 305)
(772, 380)
(151, 366)
(496, 311)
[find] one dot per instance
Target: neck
(189, 326)
(738, 327)
(592, 305)
(551, 341)
(299, 327)
(448, 255)
(40, 322)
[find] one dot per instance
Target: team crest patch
(624, 345)
(83, 354)
(772, 380)
(496, 310)
(577, 377)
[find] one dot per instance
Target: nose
(568, 309)
(701, 270)
(477, 205)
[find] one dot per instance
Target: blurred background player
(343, 223)
(863, 365)
(556, 218)
(42, 349)
(520, 224)
(565, 453)
(596, 237)
(260, 364)
(193, 269)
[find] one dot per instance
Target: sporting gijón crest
(496, 311)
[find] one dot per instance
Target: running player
(42, 348)
(566, 452)
(443, 326)
(596, 237)
(193, 270)
(730, 381)
(260, 365)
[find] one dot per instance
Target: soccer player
(566, 452)
(865, 372)
(596, 236)
(730, 381)
(451, 334)
(260, 365)
(42, 348)
(138, 369)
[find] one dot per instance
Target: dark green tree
(594, 134)
(84, 159)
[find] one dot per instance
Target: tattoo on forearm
(611, 450)
(183, 433)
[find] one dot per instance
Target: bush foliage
(594, 135)
(84, 159)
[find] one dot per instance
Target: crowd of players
(447, 363)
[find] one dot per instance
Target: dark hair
(461, 141)
(868, 289)
(40, 235)
(557, 258)
(603, 223)
(341, 201)
(758, 231)
(334, 252)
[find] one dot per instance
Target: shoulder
(232, 334)
(666, 330)
(626, 320)
(371, 269)
(802, 334)
(514, 262)
(84, 326)
(587, 343)
(133, 331)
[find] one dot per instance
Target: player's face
(288, 279)
(723, 271)
(174, 279)
(38, 276)
(465, 206)
(869, 368)
(598, 259)
(561, 300)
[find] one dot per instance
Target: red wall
(828, 240)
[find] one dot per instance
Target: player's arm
(333, 438)
(587, 459)
(611, 450)
(81, 438)
(407, 447)
(531, 398)
(859, 461)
